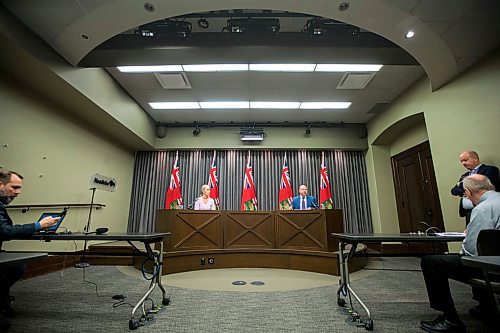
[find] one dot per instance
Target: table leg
(158, 271)
(165, 299)
(345, 288)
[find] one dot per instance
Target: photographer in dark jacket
(10, 188)
(470, 160)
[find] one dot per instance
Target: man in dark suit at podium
(304, 201)
(470, 160)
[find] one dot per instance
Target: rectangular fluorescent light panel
(274, 105)
(150, 69)
(224, 105)
(347, 68)
(216, 68)
(252, 67)
(282, 67)
(174, 105)
(325, 105)
(246, 105)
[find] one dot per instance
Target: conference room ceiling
(459, 31)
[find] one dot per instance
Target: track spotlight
(196, 131)
(308, 129)
(203, 23)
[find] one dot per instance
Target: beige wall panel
(57, 154)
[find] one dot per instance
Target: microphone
(190, 206)
(98, 231)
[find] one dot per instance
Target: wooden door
(416, 194)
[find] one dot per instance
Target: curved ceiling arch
(395, 130)
(376, 16)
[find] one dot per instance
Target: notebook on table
(52, 229)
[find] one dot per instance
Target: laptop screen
(55, 226)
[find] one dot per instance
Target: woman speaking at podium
(205, 202)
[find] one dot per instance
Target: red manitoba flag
(174, 195)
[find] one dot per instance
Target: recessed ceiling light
(252, 67)
(344, 6)
(215, 68)
(224, 105)
(174, 105)
(347, 68)
(150, 69)
(283, 67)
(274, 105)
(325, 105)
(410, 34)
(149, 7)
(246, 105)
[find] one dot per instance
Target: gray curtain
(346, 170)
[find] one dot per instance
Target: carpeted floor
(62, 302)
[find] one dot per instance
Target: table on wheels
(146, 238)
(354, 239)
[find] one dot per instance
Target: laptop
(52, 229)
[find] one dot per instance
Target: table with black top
(490, 265)
(10, 259)
(354, 239)
(147, 239)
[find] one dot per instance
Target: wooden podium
(273, 239)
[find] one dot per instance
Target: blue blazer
(310, 202)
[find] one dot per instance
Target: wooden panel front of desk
(249, 230)
(191, 229)
(280, 239)
(301, 229)
(295, 230)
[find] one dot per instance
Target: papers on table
(450, 233)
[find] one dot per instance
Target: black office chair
(488, 244)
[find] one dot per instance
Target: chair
(488, 244)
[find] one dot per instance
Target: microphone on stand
(190, 206)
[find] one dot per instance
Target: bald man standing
(470, 160)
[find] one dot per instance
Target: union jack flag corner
(325, 194)
(174, 195)
(248, 197)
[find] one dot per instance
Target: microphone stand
(86, 231)
(190, 206)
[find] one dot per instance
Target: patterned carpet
(63, 302)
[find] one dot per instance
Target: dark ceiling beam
(213, 47)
